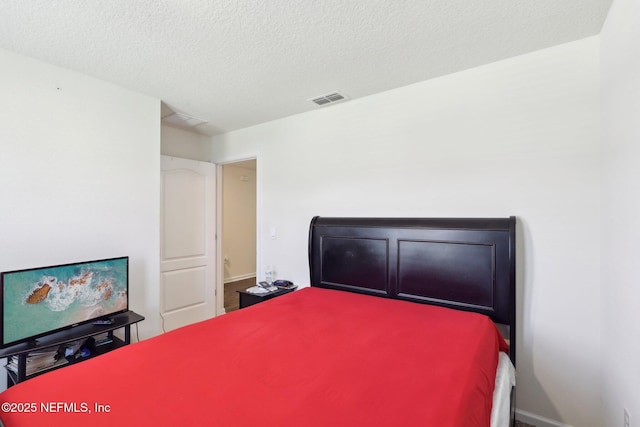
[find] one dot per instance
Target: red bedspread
(314, 357)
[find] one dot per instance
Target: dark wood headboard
(461, 263)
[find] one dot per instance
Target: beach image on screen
(41, 300)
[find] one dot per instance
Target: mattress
(505, 381)
(315, 357)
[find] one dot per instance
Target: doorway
(238, 212)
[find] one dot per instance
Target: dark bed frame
(461, 263)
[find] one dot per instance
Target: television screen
(39, 301)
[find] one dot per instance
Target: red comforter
(314, 357)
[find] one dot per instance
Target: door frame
(220, 255)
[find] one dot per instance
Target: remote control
(103, 322)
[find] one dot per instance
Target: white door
(187, 242)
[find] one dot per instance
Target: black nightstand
(247, 299)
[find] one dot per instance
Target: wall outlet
(626, 418)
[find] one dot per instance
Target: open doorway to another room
(238, 255)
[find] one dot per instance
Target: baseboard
(537, 420)
(238, 278)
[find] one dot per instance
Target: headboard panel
(461, 263)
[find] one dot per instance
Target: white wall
(185, 144)
(621, 212)
(518, 137)
(79, 175)
(238, 222)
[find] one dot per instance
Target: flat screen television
(39, 301)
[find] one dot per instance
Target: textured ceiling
(236, 63)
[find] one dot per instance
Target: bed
(404, 324)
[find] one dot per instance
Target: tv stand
(78, 333)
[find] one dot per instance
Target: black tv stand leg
(22, 367)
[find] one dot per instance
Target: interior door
(187, 242)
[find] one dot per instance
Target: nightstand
(247, 299)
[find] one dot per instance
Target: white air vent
(184, 120)
(328, 99)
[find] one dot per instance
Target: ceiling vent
(330, 98)
(183, 120)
